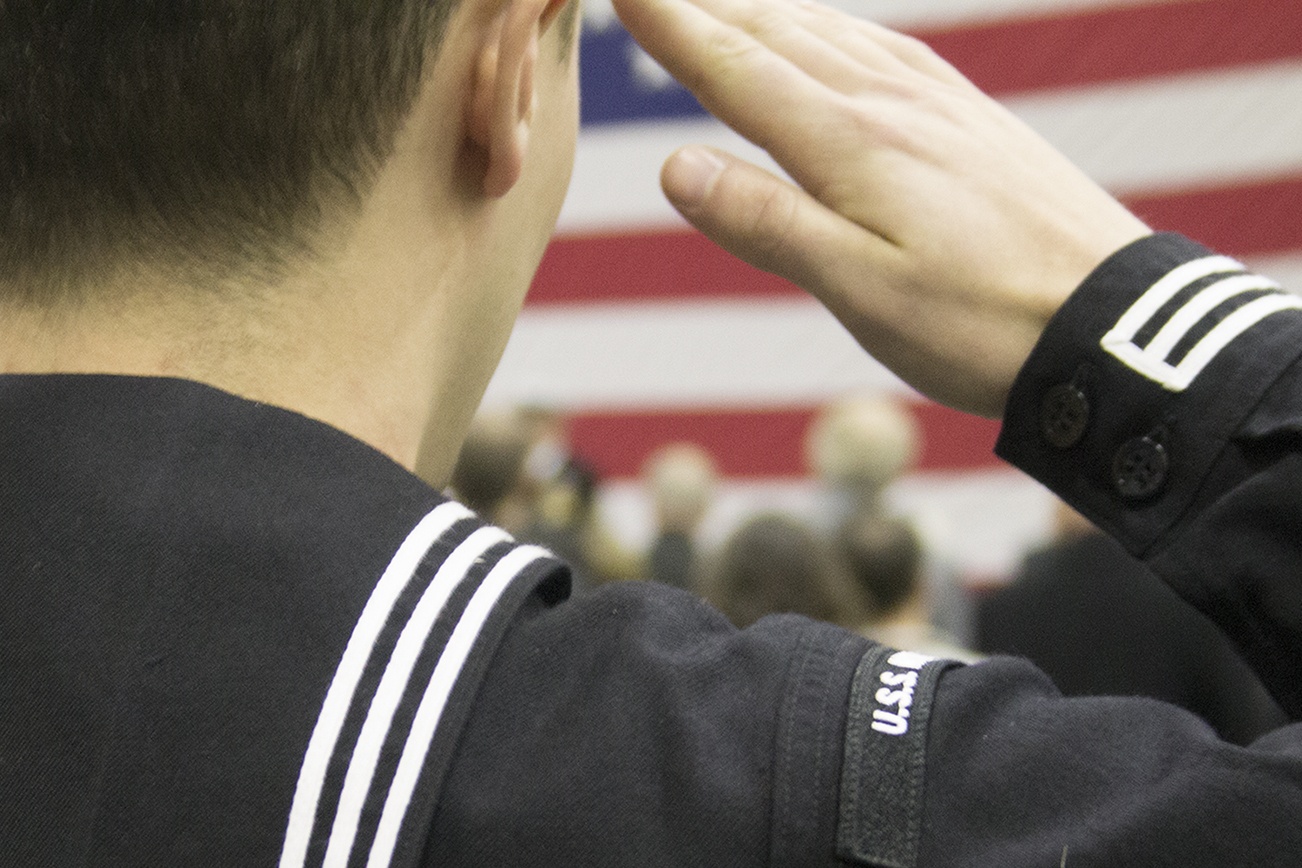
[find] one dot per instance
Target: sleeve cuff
(1141, 378)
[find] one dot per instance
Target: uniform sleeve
(1017, 775)
(1164, 402)
(634, 726)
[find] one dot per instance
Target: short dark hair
(884, 556)
(208, 136)
(775, 563)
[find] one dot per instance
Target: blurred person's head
(549, 447)
(884, 557)
(490, 467)
(773, 563)
(680, 478)
(569, 496)
(860, 444)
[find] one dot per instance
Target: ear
(502, 95)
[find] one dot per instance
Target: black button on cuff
(1064, 415)
(1140, 468)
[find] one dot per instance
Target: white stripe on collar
(339, 697)
(393, 685)
(437, 693)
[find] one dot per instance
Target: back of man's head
(192, 137)
(490, 466)
(884, 556)
(774, 563)
(861, 444)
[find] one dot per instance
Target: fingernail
(689, 175)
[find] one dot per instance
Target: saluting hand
(938, 228)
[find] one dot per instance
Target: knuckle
(768, 22)
(773, 228)
(731, 54)
(910, 48)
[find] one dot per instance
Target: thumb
(754, 215)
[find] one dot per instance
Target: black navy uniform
(1099, 623)
(231, 635)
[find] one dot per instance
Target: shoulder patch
(1185, 319)
(885, 757)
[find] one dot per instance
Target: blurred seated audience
(517, 470)
(858, 446)
(489, 476)
(1099, 623)
(774, 563)
(884, 557)
(561, 513)
(567, 519)
(680, 479)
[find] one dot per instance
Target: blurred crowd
(1079, 607)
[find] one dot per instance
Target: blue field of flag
(620, 83)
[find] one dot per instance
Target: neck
(356, 345)
(391, 337)
(911, 613)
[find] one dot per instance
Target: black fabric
(884, 777)
(636, 726)
(1099, 623)
(157, 648)
(180, 572)
(1223, 530)
(1018, 776)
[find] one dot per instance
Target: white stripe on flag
(339, 697)
(435, 700)
(922, 13)
(740, 353)
(759, 353)
(1285, 269)
(1171, 132)
(370, 743)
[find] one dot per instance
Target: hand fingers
(758, 90)
(779, 26)
(866, 282)
(863, 39)
(749, 87)
(766, 220)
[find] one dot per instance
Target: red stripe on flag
(1122, 44)
(763, 443)
(647, 266)
(1247, 219)
(1241, 220)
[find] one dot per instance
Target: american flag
(644, 333)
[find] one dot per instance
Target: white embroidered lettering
(910, 660)
(890, 724)
(899, 679)
(893, 717)
(902, 698)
